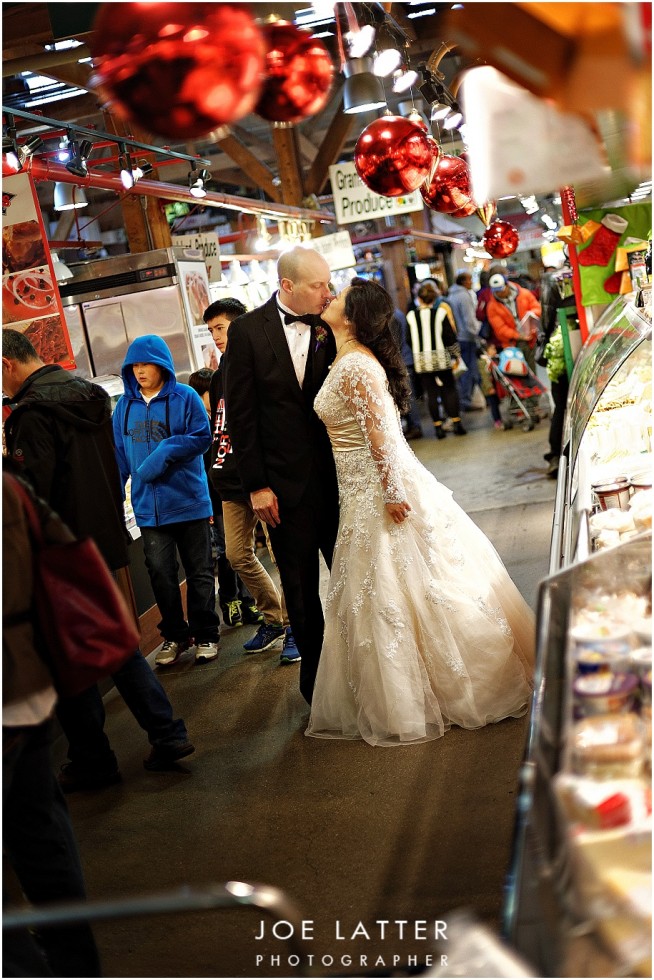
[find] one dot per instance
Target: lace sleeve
(362, 385)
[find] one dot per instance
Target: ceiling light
(10, 152)
(63, 153)
(422, 13)
(68, 196)
(386, 62)
(142, 169)
(28, 148)
(125, 164)
(197, 179)
(362, 91)
(453, 120)
(439, 111)
(78, 157)
(404, 80)
(360, 41)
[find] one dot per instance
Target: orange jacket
(501, 319)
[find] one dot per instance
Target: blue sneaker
(266, 636)
(290, 653)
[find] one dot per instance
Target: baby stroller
(519, 387)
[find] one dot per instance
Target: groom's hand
(265, 506)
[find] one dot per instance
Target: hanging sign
(354, 201)
(207, 243)
(30, 294)
(336, 250)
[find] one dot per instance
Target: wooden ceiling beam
(252, 167)
(329, 150)
(290, 172)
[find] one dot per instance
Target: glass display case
(608, 427)
(578, 900)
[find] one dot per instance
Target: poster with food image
(194, 281)
(30, 294)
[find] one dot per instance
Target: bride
(424, 628)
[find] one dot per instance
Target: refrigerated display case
(578, 897)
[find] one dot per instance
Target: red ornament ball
(449, 189)
(179, 70)
(299, 73)
(501, 239)
(393, 156)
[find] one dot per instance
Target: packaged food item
(603, 805)
(614, 494)
(605, 693)
(608, 746)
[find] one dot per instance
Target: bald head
(303, 280)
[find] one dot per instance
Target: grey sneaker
(266, 636)
(170, 652)
(205, 651)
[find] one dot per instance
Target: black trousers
(447, 393)
(304, 532)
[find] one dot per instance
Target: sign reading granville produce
(354, 201)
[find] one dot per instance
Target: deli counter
(579, 893)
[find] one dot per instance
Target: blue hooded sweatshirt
(160, 444)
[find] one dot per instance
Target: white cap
(497, 281)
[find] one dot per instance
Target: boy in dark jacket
(161, 431)
(239, 519)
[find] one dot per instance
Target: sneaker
(251, 614)
(498, 424)
(232, 615)
(164, 757)
(439, 431)
(266, 636)
(71, 778)
(171, 651)
(447, 425)
(205, 651)
(290, 653)
(459, 430)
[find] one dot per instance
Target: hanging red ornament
(486, 212)
(178, 69)
(501, 239)
(393, 156)
(449, 189)
(299, 73)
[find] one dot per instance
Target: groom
(277, 359)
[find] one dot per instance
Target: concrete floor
(351, 833)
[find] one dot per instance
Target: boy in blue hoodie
(161, 431)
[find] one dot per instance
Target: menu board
(30, 294)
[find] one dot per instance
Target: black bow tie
(292, 318)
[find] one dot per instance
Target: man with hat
(506, 308)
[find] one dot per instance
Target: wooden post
(284, 141)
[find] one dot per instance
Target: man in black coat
(278, 358)
(59, 434)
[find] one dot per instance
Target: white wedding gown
(424, 629)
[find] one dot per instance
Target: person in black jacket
(278, 357)
(59, 434)
(239, 519)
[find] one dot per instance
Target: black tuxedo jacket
(278, 440)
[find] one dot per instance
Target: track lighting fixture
(27, 149)
(197, 179)
(404, 79)
(386, 62)
(78, 157)
(454, 119)
(142, 169)
(10, 153)
(125, 164)
(362, 91)
(63, 153)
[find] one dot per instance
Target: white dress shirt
(298, 338)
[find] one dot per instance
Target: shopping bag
(87, 629)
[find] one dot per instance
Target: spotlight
(359, 42)
(78, 157)
(439, 110)
(404, 80)
(63, 153)
(362, 91)
(125, 164)
(28, 148)
(451, 122)
(142, 169)
(387, 61)
(430, 89)
(68, 196)
(10, 152)
(197, 178)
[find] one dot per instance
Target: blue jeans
(82, 717)
(471, 377)
(192, 539)
(38, 839)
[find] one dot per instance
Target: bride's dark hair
(370, 310)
